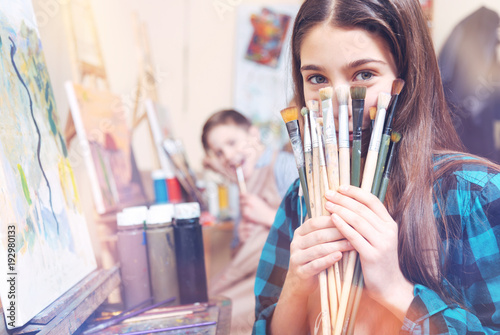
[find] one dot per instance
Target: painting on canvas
(105, 138)
(45, 246)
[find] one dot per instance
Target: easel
(67, 313)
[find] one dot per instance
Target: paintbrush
(373, 113)
(395, 138)
(315, 197)
(241, 180)
(397, 86)
(366, 184)
(308, 154)
(358, 94)
(291, 117)
(344, 154)
(115, 321)
(181, 171)
(333, 272)
(355, 299)
(373, 148)
(330, 136)
(168, 329)
(316, 205)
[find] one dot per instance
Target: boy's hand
(256, 210)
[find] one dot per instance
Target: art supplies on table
(189, 254)
(212, 318)
(132, 253)
(161, 253)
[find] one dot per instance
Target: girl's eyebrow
(311, 68)
(361, 62)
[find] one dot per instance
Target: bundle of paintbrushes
(326, 160)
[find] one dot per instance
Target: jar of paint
(161, 253)
(190, 255)
(132, 254)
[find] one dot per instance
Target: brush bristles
(397, 86)
(326, 93)
(319, 121)
(358, 92)
(313, 105)
(395, 137)
(342, 94)
(383, 100)
(290, 114)
(304, 111)
(373, 113)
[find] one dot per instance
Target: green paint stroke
(25, 184)
(53, 127)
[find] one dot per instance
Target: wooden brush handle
(344, 165)
(369, 171)
(309, 178)
(382, 156)
(356, 163)
(346, 289)
(317, 183)
(332, 166)
(317, 211)
(358, 275)
(334, 284)
(305, 188)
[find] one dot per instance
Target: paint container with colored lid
(161, 253)
(190, 255)
(132, 254)
(160, 186)
(174, 189)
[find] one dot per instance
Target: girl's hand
(316, 246)
(256, 210)
(365, 222)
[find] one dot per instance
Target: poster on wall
(263, 84)
(428, 10)
(45, 246)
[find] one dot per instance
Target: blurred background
(204, 57)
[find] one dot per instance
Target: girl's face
(337, 56)
(232, 146)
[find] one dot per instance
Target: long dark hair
(422, 118)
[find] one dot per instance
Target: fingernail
(344, 188)
(329, 193)
(329, 205)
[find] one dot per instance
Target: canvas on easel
(104, 136)
(45, 246)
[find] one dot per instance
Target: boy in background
(231, 141)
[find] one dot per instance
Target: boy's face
(231, 146)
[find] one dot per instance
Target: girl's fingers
(366, 198)
(356, 239)
(355, 220)
(320, 264)
(319, 237)
(320, 222)
(319, 251)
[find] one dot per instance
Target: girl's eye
(364, 76)
(317, 79)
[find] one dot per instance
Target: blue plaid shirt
(472, 197)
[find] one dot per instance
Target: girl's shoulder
(467, 176)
